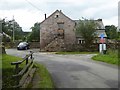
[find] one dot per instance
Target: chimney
(45, 15)
(99, 19)
(60, 10)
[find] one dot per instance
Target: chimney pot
(99, 19)
(45, 15)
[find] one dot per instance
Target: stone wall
(55, 45)
(34, 44)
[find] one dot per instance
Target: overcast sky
(27, 12)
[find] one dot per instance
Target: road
(75, 71)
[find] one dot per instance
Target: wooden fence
(23, 77)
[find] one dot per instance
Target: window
(60, 25)
(56, 16)
(81, 41)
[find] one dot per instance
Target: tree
(87, 28)
(111, 31)
(35, 34)
(8, 26)
(5, 36)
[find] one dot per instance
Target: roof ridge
(59, 12)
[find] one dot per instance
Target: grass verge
(110, 57)
(44, 79)
(1, 62)
(8, 70)
(64, 53)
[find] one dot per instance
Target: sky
(28, 12)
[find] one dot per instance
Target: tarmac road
(75, 71)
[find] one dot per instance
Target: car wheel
(17, 48)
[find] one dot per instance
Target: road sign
(102, 35)
(102, 40)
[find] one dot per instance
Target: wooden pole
(26, 60)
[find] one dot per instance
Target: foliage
(111, 31)
(111, 57)
(8, 27)
(0, 62)
(118, 36)
(35, 34)
(5, 38)
(87, 28)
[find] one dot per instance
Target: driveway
(75, 71)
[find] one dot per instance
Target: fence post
(26, 60)
(17, 68)
(16, 72)
(31, 55)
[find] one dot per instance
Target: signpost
(102, 46)
(102, 35)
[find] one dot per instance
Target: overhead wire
(34, 6)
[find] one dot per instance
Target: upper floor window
(60, 25)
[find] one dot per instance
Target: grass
(0, 61)
(46, 80)
(64, 53)
(8, 70)
(110, 57)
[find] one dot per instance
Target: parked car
(23, 46)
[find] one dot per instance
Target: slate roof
(100, 24)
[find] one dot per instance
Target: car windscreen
(22, 44)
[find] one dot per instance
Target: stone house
(57, 32)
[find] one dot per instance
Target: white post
(102, 48)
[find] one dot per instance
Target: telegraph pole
(13, 29)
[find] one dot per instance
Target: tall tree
(87, 28)
(35, 34)
(111, 31)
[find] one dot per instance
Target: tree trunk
(3, 50)
(2, 47)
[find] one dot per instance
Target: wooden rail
(25, 72)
